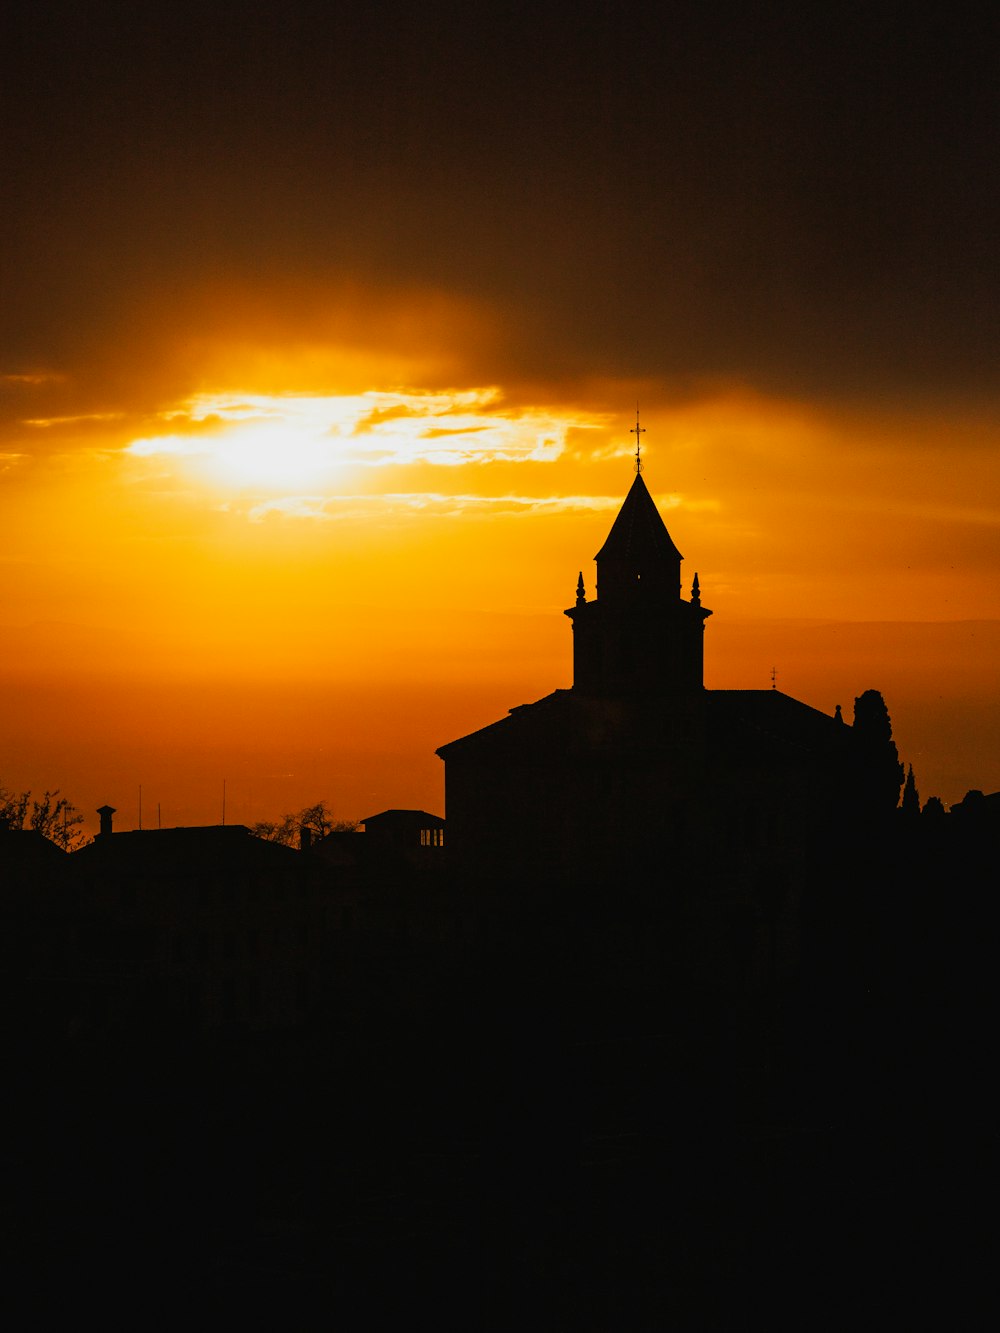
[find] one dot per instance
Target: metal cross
(637, 430)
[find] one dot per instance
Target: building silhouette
(207, 927)
(706, 817)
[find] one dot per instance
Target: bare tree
(318, 819)
(52, 815)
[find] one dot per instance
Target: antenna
(774, 678)
(637, 430)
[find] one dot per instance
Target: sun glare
(272, 454)
(282, 443)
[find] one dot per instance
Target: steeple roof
(639, 536)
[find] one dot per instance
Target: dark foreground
(481, 1155)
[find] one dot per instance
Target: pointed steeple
(639, 638)
(639, 550)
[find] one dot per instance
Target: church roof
(522, 721)
(638, 535)
(773, 716)
(739, 722)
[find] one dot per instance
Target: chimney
(106, 812)
(305, 838)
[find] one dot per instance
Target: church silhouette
(712, 811)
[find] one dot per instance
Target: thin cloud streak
(74, 420)
(332, 508)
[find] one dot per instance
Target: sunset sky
(322, 329)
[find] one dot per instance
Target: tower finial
(581, 593)
(637, 430)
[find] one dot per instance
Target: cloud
(33, 380)
(284, 438)
(44, 423)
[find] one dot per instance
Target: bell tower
(640, 636)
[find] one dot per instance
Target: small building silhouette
(405, 830)
(207, 926)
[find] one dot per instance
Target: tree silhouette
(53, 816)
(910, 805)
(317, 819)
(883, 773)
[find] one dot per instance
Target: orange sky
(304, 593)
(315, 391)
